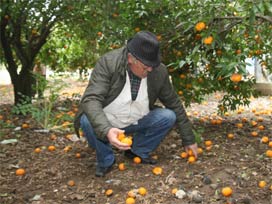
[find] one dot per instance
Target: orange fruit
(265, 139)
(127, 140)
(230, 136)
(109, 192)
(142, 191)
(208, 148)
(239, 125)
(131, 194)
(262, 184)
(235, 77)
(71, 183)
(190, 152)
(25, 125)
(157, 170)
(183, 155)
(37, 150)
(180, 92)
(253, 123)
(208, 40)
(78, 155)
(182, 76)
(20, 172)
(269, 153)
(137, 160)
(99, 34)
(191, 159)
(174, 190)
(137, 29)
(199, 150)
(67, 148)
(130, 200)
(254, 134)
(261, 127)
(121, 136)
(226, 191)
(51, 148)
(208, 143)
(122, 166)
(53, 137)
(270, 144)
(200, 26)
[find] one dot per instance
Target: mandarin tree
(25, 28)
(206, 42)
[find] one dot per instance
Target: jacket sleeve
(94, 96)
(170, 100)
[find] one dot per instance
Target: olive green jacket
(107, 81)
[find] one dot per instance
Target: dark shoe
(102, 171)
(129, 154)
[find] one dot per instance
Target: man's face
(138, 68)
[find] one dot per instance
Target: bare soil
(239, 162)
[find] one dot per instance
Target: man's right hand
(113, 139)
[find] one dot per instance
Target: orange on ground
(53, 137)
(262, 184)
(269, 153)
(20, 172)
(239, 125)
(254, 134)
(261, 127)
(122, 166)
(174, 190)
(183, 155)
(71, 183)
(199, 150)
(78, 155)
(157, 170)
(109, 192)
(270, 144)
(67, 148)
(137, 160)
(226, 191)
(208, 143)
(51, 148)
(265, 139)
(208, 148)
(235, 77)
(25, 125)
(131, 194)
(142, 191)
(253, 123)
(230, 136)
(130, 200)
(37, 150)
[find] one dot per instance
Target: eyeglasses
(144, 67)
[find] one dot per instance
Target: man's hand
(113, 139)
(193, 147)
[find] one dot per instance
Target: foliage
(42, 110)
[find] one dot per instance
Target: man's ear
(131, 59)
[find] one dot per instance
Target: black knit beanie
(145, 47)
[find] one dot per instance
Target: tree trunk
(22, 86)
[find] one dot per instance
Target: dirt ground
(239, 163)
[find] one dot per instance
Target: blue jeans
(147, 135)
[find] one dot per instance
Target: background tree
(25, 28)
